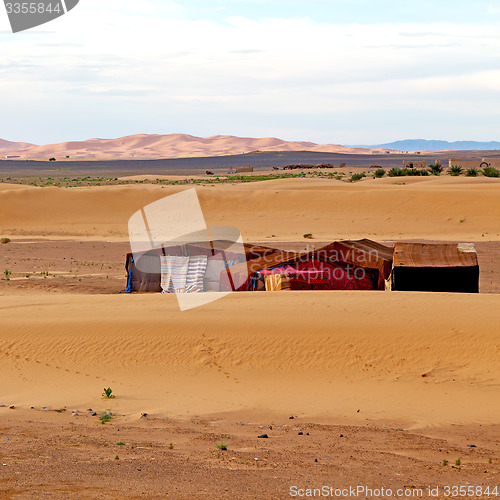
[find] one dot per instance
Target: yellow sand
(308, 353)
(313, 354)
(441, 208)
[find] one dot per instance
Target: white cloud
(104, 55)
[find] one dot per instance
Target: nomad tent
(435, 267)
(216, 266)
(342, 265)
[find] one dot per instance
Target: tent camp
(215, 266)
(443, 267)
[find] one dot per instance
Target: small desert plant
(7, 274)
(380, 172)
(222, 446)
(435, 168)
(471, 172)
(117, 457)
(120, 443)
(491, 172)
(445, 463)
(490, 461)
(107, 394)
(357, 177)
(4, 241)
(455, 170)
(171, 446)
(458, 462)
(105, 417)
(308, 236)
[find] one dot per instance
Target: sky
(327, 71)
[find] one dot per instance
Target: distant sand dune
(381, 209)
(420, 358)
(166, 146)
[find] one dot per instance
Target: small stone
(93, 414)
(472, 446)
(301, 433)
(307, 434)
(341, 435)
(11, 407)
(263, 436)
(291, 418)
(74, 414)
(316, 460)
(90, 410)
(144, 415)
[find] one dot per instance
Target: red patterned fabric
(317, 275)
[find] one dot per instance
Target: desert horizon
(177, 145)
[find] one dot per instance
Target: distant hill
(13, 146)
(425, 145)
(165, 146)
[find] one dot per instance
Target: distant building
(12, 157)
(414, 163)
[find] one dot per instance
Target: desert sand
(165, 146)
(407, 379)
(441, 208)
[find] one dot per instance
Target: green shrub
(491, 172)
(308, 236)
(4, 241)
(435, 168)
(472, 172)
(380, 172)
(222, 446)
(396, 172)
(357, 177)
(456, 170)
(105, 417)
(7, 274)
(107, 394)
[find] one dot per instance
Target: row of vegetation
(437, 169)
(433, 169)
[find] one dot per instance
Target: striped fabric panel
(174, 271)
(196, 272)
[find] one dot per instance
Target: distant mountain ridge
(430, 145)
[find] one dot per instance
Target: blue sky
(328, 71)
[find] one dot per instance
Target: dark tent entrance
(441, 267)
